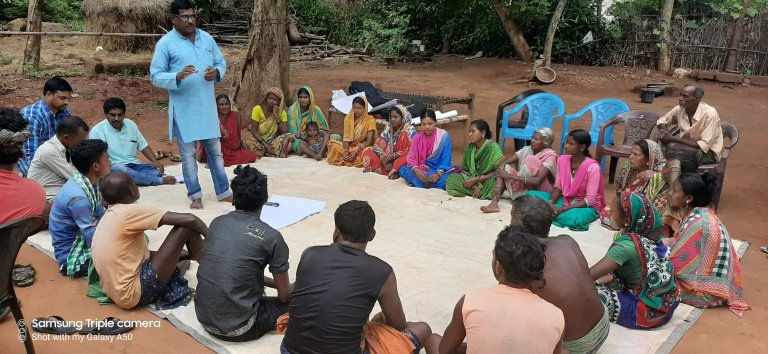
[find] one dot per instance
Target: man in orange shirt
(19, 197)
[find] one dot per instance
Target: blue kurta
(191, 100)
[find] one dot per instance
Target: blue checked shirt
(42, 126)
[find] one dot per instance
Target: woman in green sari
(478, 169)
(302, 111)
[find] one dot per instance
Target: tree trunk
(34, 24)
(271, 51)
(665, 63)
(551, 31)
(522, 49)
(735, 42)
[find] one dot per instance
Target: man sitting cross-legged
(230, 302)
(569, 285)
(125, 139)
(336, 288)
(129, 273)
(52, 164)
(77, 209)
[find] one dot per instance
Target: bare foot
(226, 200)
(318, 157)
(196, 204)
(394, 175)
(169, 180)
(490, 208)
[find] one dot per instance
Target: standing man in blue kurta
(187, 62)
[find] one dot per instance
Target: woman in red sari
(231, 144)
(389, 152)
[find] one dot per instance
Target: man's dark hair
(86, 153)
(249, 188)
(178, 5)
(532, 214)
(56, 84)
(355, 220)
(312, 124)
(70, 125)
(521, 255)
(13, 121)
(112, 103)
(115, 187)
(688, 162)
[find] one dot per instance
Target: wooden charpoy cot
(434, 102)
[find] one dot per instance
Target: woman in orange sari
(392, 147)
(359, 133)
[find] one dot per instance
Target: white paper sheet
(344, 104)
(290, 210)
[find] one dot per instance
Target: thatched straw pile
(126, 16)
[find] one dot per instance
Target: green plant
(61, 11)
(6, 59)
(386, 35)
(126, 72)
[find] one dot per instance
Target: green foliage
(61, 11)
(6, 59)
(131, 73)
(386, 36)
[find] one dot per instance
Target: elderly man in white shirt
(51, 166)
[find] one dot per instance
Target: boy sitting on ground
(77, 208)
(52, 164)
(230, 302)
(508, 318)
(129, 273)
(313, 141)
(336, 288)
(569, 285)
(125, 139)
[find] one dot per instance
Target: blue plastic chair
(602, 111)
(543, 109)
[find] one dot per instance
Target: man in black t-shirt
(336, 288)
(229, 303)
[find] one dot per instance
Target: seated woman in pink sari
(391, 149)
(429, 161)
(231, 144)
(578, 192)
(536, 170)
(707, 268)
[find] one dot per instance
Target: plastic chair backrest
(602, 111)
(543, 109)
(520, 96)
(637, 125)
(12, 236)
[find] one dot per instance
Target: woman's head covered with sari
(279, 94)
(637, 216)
(312, 110)
(350, 131)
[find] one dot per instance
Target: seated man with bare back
(568, 283)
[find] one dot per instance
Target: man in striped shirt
(43, 116)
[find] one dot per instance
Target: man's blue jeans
(215, 164)
(143, 174)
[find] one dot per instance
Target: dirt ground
(492, 81)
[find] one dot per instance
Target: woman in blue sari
(429, 161)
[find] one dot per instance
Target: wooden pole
(730, 64)
(551, 31)
(664, 63)
(34, 24)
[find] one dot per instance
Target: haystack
(126, 16)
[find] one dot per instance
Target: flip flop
(111, 327)
(764, 249)
(52, 324)
(23, 275)
(175, 158)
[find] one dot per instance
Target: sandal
(764, 249)
(108, 327)
(175, 158)
(23, 275)
(53, 325)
